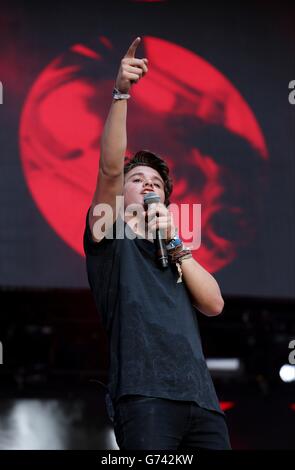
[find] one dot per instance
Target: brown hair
(147, 158)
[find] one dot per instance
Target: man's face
(140, 180)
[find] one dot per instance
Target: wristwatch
(174, 243)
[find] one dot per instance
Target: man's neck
(138, 226)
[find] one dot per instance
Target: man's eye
(139, 179)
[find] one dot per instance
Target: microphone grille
(151, 197)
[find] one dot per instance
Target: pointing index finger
(132, 49)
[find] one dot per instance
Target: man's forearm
(203, 288)
(114, 139)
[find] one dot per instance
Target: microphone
(161, 251)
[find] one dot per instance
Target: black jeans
(142, 422)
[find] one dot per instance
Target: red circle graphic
(184, 110)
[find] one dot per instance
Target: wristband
(178, 256)
(174, 243)
(186, 254)
(117, 95)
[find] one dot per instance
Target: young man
(160, 392)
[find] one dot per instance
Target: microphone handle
(161, 250)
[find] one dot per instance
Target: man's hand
(158, 216)
(131, 69)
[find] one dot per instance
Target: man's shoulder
(94, 243)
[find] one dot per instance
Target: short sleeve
(92, 247)
(102, 264)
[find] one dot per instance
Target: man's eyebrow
(142, 174)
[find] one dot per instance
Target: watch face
(174, 243)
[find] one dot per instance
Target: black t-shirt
(154, 342)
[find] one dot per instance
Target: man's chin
(133, 207)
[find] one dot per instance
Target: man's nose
(150, 183)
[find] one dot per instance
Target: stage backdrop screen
(217, 104)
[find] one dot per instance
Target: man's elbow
(217, 307)
(213, 309)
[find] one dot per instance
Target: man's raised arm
(113, 145)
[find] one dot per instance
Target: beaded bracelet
(177, 259)
(179, 254)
